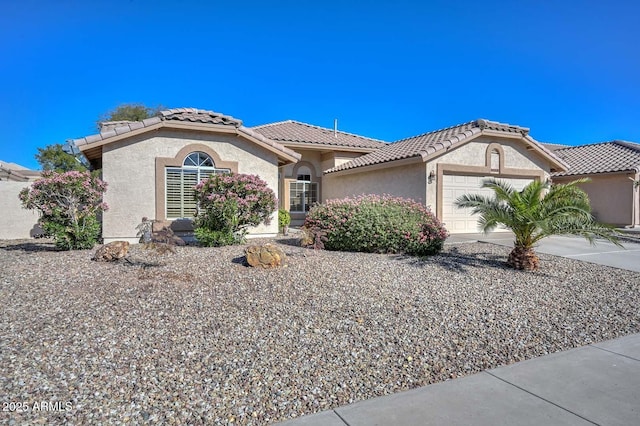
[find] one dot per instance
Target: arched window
(180, 181)
(302, 192)
(495, 160)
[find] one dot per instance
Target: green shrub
(228, 204)
(377, 224)
(210, 238)
(284, 218)
(69, 204)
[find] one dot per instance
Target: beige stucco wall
(338, 158)
(16, 222)
(308, 156)
(473, 154)
(129, 168)
(611, 197)
(408, 181)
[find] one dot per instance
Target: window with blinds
(180, 183)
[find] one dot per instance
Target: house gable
(135, 157)
(190, 119)
(433, 144)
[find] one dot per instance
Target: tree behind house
(130, 112)
(55, 159)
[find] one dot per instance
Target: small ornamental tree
(228, 204)
(376, 224)
(69, 204)
(539, 211)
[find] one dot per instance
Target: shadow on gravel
(240, 260)
(289, 242)
(30, 247)
(139, 263)
(458, 262)
(455, 261)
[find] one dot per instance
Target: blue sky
(385, 69)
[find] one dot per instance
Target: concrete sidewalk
(602, 253)
(595, 384)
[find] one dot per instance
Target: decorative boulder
(266, 256)
(112, 251)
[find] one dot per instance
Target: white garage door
(453, 186)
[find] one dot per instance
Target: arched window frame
(177, 161)
(495, 158)
(180, 199)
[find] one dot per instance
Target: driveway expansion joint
(594, 345)
(543, 399)
(341, 418)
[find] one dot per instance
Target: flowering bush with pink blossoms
(228, 204)
(69, 204)
(377, 224)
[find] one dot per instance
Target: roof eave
(89, 149)
(84, 145)
(313, 145)
(634, 170)
(15, 173)
(285, 154)
(546, 153)
(377, 166)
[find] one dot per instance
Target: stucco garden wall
(130, 171)
(408, 181)
(16, 222)
(611, 197)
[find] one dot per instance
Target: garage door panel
(458, 220)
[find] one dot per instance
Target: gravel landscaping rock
(197, 337)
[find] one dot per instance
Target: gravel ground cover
(197, 337)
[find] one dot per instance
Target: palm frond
(538, 211)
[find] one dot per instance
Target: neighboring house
(613, 167)
(16, 222)
(151, 166)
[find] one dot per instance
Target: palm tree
(538, 211)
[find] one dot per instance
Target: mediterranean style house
(151, 167)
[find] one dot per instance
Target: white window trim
(311, 185)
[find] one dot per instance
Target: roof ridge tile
(430, 142)
(275, 123)
(319, 128)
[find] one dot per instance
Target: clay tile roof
(428, 143)
(605, 157)
(554, 146)
(192, 115)
(199, 116)
(297, 132)
(16, 172)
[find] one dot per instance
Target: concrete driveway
(602, 253)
